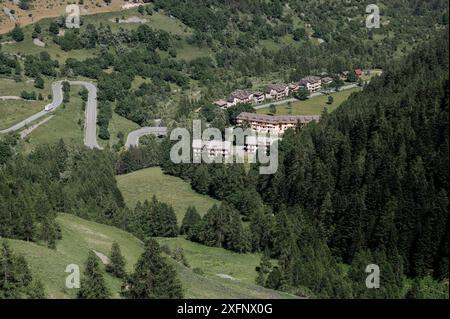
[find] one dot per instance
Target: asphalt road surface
(90, 130)
(133, 137)
(90, 123)
(57, 100)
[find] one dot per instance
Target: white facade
(312, 83)
(253, 143)
(274, 124)
(211, 148)
(259, 97)
(277, 91)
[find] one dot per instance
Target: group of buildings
(277, 91)
(261, 125)
(278, 124)
(280, 91)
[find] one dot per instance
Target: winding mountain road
(133, 137)
(25, 122)
(90, 131)
(90, 123)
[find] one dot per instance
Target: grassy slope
(143, 184)
(312, 106)
(10, 87)
(116, 125)
(53, 8)
(14, 111)
(81, 236)
(64, 125)
(213, 261)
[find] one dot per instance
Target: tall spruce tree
(15, 276)
(153, 277)
(92, 285)
(191, 223)
(116, 265)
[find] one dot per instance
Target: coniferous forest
(367, 184)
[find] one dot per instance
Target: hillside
(205, 50)
(373, 175)
(367, 184)
(143, 184)
(81, 236)
(41, 9)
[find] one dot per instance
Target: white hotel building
(274, 124)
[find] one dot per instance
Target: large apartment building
(277, 91)
(240, 97)
(312, 83)
(274, 124)
(255, 143)
(211, 148)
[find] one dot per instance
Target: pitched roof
(327, 79)
(220, 103)
(279, 119)
(311, 79)
(279, 87)
(239, 94)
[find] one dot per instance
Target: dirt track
(51, 9)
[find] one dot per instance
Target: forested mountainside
(374, 174)
(51, 180)
(368, 184)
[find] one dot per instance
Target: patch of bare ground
(54, 8)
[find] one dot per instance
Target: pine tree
(15, 276)
(153, 277)
(200, 180)
(274, 279)
(264, 268)
(116, 265)
(36, 290)
(17, 34)
(92, 285)
(191, 221)
(325, 223)
(54, 28)
(39, 83)
(49, 232)
(37, 28)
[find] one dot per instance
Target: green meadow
(313, 106)
(81, 236)
(143, 184)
